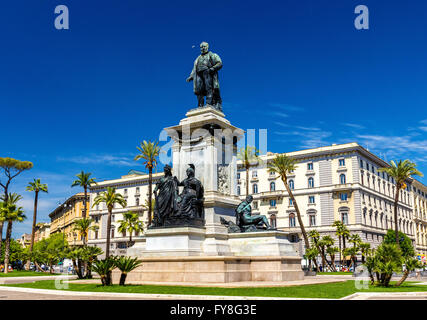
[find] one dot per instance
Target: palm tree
(12, 213)
(249, 158)
(149, 151)
(283, 165)
(35, 186)
(311, 254)
(126, 265)
(327, 242)
(84, 180)
(110, 198)
(130, 223)
(365, 249)
(146, 205)
(410, 265)
(104, 268)
(342, 233)
(83, 226)
(332, 251)
(400, 172)
(356, 241)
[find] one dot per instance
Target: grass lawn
(24, 273)
(340, 273)
(328, 290)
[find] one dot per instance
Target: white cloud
(280, 114)
(286, 107)
(106, 159)
(353, 125)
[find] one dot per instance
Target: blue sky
(84, 98)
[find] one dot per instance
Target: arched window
(272, 186)
(291, 184)
(310, 182)
(272, 202)
(311, 217)
(273, 221)
(344, 217)
(342, 178)
(238, 190)
(255, 188)
(112, 232)
(292, 220)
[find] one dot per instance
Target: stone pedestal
(206, 139)
(210, 254)
(180, 241)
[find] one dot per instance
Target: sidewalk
(36, 294)
(13, 280)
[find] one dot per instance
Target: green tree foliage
(49, 251)
(84, 180)
(387, 259)
(126, 265)
(405, 243)
(104, 269)
(110, 198)
(36, 186)
(250, 158)
(16, 252)
(130, 223)
(149, 151)
(10, 212)
(283, 165)
(400, 172)
(83, 226)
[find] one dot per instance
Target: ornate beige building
(338, 182)
(64, 216)
(134, 188)
(419, 194)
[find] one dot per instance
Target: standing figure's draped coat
(215, 63)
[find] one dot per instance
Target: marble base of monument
(178, 255)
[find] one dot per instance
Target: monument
(192, 238)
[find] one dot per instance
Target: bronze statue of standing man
(205, 77)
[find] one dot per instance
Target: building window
(312, 219)
(137, 201)
(137, 190)
(126, 192)
(292, 220)
(361, 163)
(342, 178)
(96, 234)
(255, 204)
(272, 186)
(112, 218)
(273, 221)
(238, 175)
(291, 184)
(310, 182)
(310, 166)
(255, 188)
(272, 202)
(342, 162)
(344, 196)
(238, 190)
(112, 232)
(311, 199)
(291, 202)
(344, 217)
(254, 174)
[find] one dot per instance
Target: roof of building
(77, 196)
